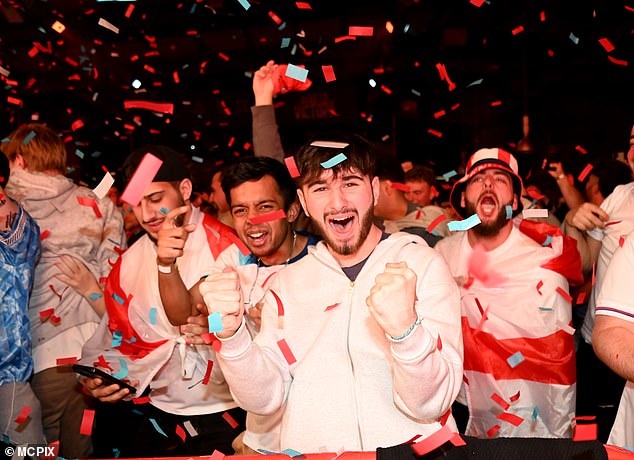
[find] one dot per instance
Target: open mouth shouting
(488, 205)
(342, 224)
(256, 237)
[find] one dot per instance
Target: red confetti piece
(439, 343)
(55, 448)
(291, 166)
(518, 30)
(359, 31)
(477, 3)
(90, 202)
(46, 314)
(585, 172)
(166, 107)
(515, 397)
(542, 16)
(433, 132)
(14, 101)
(332, 307)
(500, 401)
(149, 68)
(303, 6)
(275, 17)
(606, 44)
(581, 298)
(223, 56)
(177, 79)
(496, 103)
(86, 422)
(564, 294)
(329, 73)
(400, 186)
(344, 37)
(55, 320)
(442, 71)
(216, 345)
(217, 455)
(618, 61)
(32, 52)
(142, 400)
(433, 441)
(585, 432)
(539, 286)
(493, 430)
(457, 440)
(180, 432)
(510, 418)
(268, 217)
(445, 417)
(621, 241)
(23, 415)
(435, 222)
(129, 11)
(230, 420)
(210, 366)
(280, 305)
(628, 8)
(286, 351)
(440, 113)
(386, 90)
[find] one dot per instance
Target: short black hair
(360, 156)
(255, 168)
(610, 174)
(173, 168)
(388, 168)
(421, 173)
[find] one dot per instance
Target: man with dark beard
(360, 339)
(519, 351)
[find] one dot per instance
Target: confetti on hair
(334, 161)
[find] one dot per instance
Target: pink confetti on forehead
(142, 177)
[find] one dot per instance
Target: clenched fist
(221, 292)
(392, 299)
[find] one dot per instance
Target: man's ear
(302, 200)
(293, 211)
(18, 162)
(376, 188)
(463, 203)
(185, 187)
(515, 201)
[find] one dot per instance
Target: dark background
(576, 97)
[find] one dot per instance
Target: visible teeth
(339, 220)
(256, 235)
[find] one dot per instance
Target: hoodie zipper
(354, 378)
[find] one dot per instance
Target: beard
(488, 228)
(350, 247)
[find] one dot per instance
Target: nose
(488, 181)
(337, 198)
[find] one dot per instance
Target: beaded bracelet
(407, 332)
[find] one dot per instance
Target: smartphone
(92, 372)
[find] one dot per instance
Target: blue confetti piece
(246, 5)
(545, 309)
(94, 296)
(509, 211)
(118, 299)
(476, 82)
(291, 453)
(215, 322)
(334, 161)
(116, 452)
(515, 359)
(216, 234)
(246, 260)
(164, 211)
(282, 26)
(116, 243)
(197, 159)
(450, 174)
(285, 42)
(573, 38)
(131, 339)
(29, 137)
(463, 225)
(416, 93)
(157, 427)
(535, 413)
(117, 337)
(123, 370)
(153, 315)
(267, 452)
(5, 140)
(296, 72)
(549, 240)
(137, 412)
(79, 153)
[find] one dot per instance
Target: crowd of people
(331, 300)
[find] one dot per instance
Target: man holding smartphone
(190, 410)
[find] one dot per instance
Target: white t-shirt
(619, 205)
(616, 299)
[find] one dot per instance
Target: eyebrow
(347, 177)
(270, 200)
(149, 196)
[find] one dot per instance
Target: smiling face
(342, 208)
(487, 194)
(157, 196)
(269, 241)
(420, 192)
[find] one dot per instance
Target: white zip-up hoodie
(350, 387)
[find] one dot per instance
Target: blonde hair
(40, 147)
